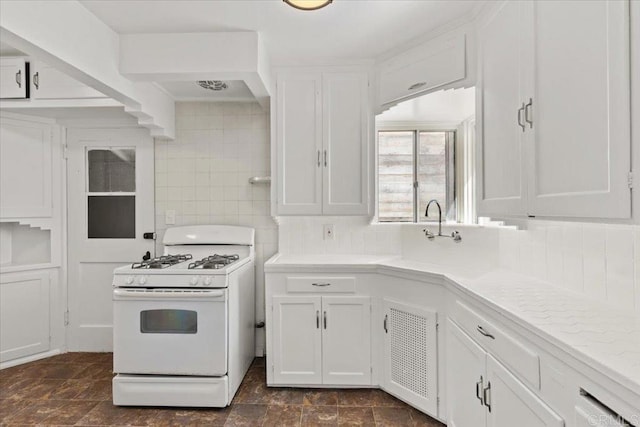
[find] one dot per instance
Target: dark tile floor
(75, 389)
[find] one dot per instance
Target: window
(415, 166)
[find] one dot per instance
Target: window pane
(395, 176)
(166, 321)
(112, 217)
(112, 170)
(433, 168)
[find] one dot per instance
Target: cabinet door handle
(478, 388)
(325, 158)
(317, 319)
(19, 78)
(319, 158)
(527, 113)
(324, 318)
(485, 333)
(384, 324)
(321, 284)
(36, 80)
(520, 111)
(486, 396)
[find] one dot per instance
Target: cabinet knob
(19, 78)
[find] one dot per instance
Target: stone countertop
(594, 333)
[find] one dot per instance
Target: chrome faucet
(454, 235)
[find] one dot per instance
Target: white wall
(203, 175)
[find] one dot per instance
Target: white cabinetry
(13, 78)
(555, 128)
(321, 340)
(49, 83)
(322, 132)
(482, 392)
(410, 354)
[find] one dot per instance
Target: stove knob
(129, 280)
(194, 281)
(208, 280)
(142, 280)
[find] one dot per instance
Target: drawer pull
(386, 330)
(321, 284)
(486, 396)
(485, 333)
(317, 319)
(325, 319)
(478, 388)
(19, 78)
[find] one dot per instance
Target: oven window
(168, 321)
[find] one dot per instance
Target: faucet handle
(428, 234)
(456, 236)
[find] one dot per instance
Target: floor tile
(283, 416)
(319, 416)
(246, 415)
(320, 398)
(355, 397)
(354, 416)
(392, 417)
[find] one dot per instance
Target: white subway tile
(594, 263)
(620, 272)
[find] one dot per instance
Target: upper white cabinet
(433, 64)
(555, 108)
(49, 83)
(322, 134)
(13, 78)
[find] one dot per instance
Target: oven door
(170, 331)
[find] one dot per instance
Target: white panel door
(501, 179)
(299, 143)
(411, 355)
(13, 78)
(580, 158)
(510, 403)
(49, 83)
(346, 340)
(25, 153)
(345, 135)
(465, 379)
(24, 314)
(297, 340)
(110, 206)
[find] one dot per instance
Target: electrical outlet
(328, 232)
(170, 217)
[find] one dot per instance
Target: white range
(184, 323)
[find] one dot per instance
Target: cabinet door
(345, 156)
(13, 78)
(297, 340)
(581, 110)
(299, 143)
(346, 340)
(501, 179)
(465, 379)
(511, 403)
(49, 83)
(411, 355)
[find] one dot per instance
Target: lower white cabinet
(411, 354)
(321, 340)
(482, 392)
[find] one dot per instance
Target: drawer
(522, 360)
(317, 284)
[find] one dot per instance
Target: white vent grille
(409, 347)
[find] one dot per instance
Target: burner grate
(214, 262)
(162, 261)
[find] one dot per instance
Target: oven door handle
(166, 294)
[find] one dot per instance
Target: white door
(510, 403)
(345, 134)
(297, 340)
(346, 340)
(580, 159)
(110, 183)
(501, 177)
(465, 379)
(299, 143)
(49, 83)
(13, 78)
(411, 355)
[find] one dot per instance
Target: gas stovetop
(212, 262)
(161, 261)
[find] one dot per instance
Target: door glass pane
(167, 321)
(395, 176)
(112, 217)
(433, 169)
(112, 170)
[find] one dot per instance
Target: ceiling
(448, 106)
(236, 90)
(344, 30)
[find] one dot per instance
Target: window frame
(452, 213)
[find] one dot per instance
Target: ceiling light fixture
(308, 4)
(212, 84)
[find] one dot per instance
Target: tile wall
(203, 174)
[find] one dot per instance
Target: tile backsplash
(203, 174)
